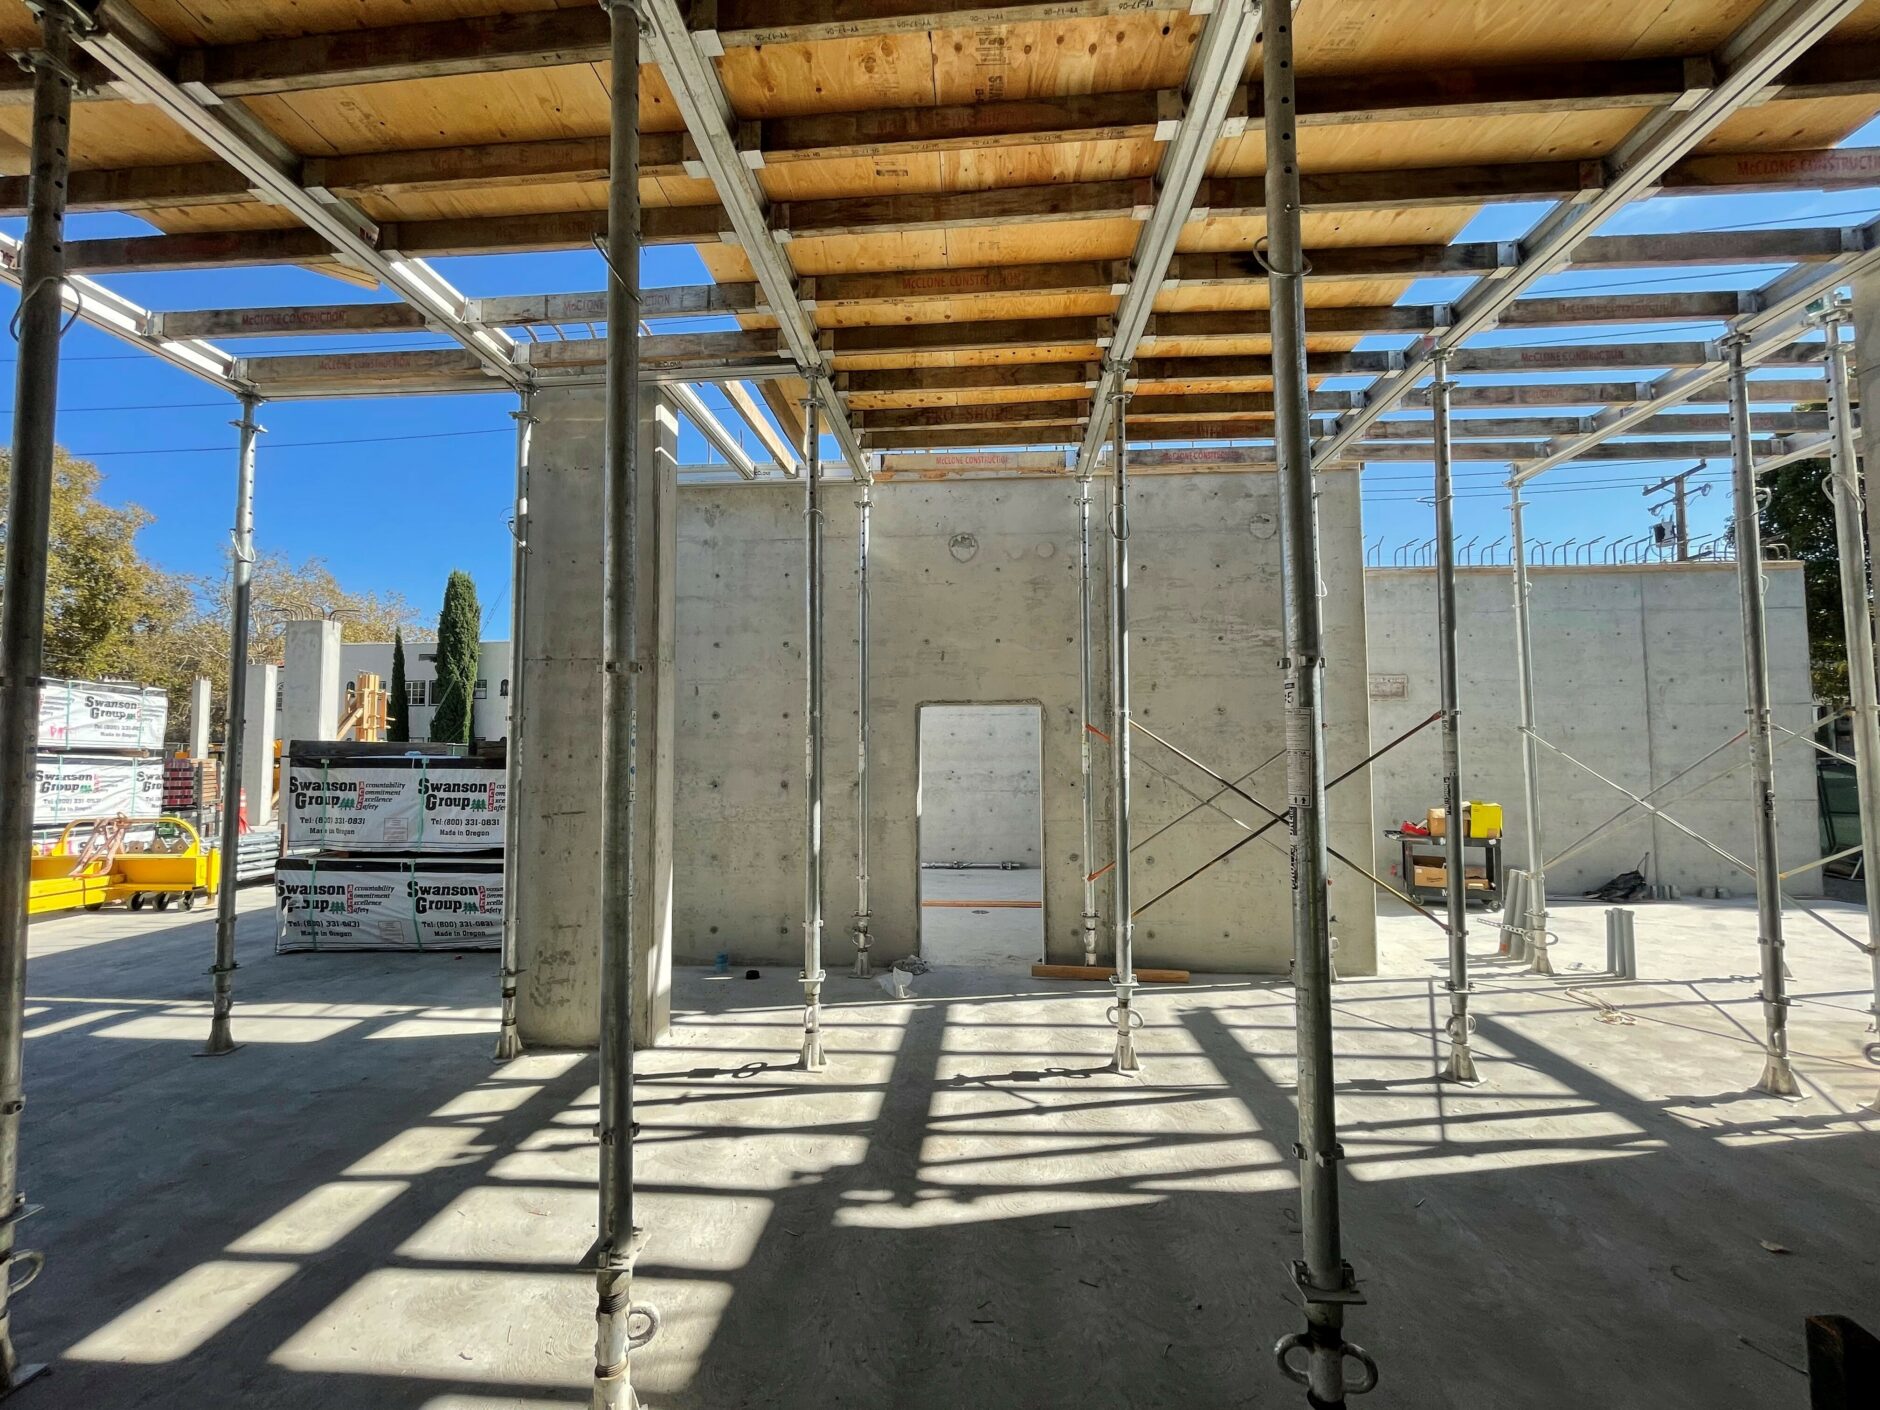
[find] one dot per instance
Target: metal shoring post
(863, 507)
(1777, 1079)
(241, 592)
(1849, 531)
(813, 1058)
(23, 621)
(1086, 718)
(620, 1239)
(508, 1039)
(1539, 961)
(1326, 1282)
(1123, 982)
(1461, 1064)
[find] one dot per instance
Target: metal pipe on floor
(1326, 1282)
(1086, 719)
(1123, 983)
(1844, 489)
(1777, 1079)
(864, 508)
(508, 1039)
(1534, 930)
(620, 1238)
(813, 1058)
(1461, 1064)
(23, 617)
(241, 594)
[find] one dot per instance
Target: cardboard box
(1473, 878)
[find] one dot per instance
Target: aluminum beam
(1748, 63)
(1778, 314)
(130, 48)
(702, 102)
(1214, 75)
(114, 314)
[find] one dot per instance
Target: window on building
(414, 692)
(503, 690)
(427, 656)
(482, 691)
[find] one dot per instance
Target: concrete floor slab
(360, 1209)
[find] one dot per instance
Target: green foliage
(397, 712)
(110, 612)
(459, 635)
(1797, 514)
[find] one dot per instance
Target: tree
(459, 635)
(104, 603)
(110, 612)
(1797, 514)
(397, 720)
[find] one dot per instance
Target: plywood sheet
(987, 169)
(1356, 36)
(976, 309)
(961, 65)
(984, 357)
(1822, 122)
(103, 135)
(987, 396)
(523, 105)
(1394, 146)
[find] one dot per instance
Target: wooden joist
(576, 160)
(1257, 407)
(662, 357)
(1201, 369)
(1493, 429)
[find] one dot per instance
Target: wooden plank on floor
(1098, 971)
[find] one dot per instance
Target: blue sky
(395, 492)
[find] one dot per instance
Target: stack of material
(391, 850)
(256, 855)
(99, 752)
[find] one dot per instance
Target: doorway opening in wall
(981, 808)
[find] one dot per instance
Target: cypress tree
(459, 632)
(397, 718)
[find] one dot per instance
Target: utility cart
(1425, 856)
(97, 861)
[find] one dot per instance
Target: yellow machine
(99, 860)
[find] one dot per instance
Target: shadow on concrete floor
(360, 1209)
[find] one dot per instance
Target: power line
(292, 445)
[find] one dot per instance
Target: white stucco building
(489, 717)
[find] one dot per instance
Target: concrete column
(311, 695)
(258, 736)
(555, 819)
(199, 708)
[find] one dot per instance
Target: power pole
(1680, 497)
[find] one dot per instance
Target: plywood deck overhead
(1014, 143)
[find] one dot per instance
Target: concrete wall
(974, 598)
(979, 784)
(1640, 673)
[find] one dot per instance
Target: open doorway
(981, 835)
